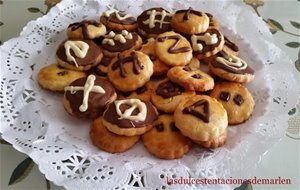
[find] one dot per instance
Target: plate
(34, 121)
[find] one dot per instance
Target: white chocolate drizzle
(127, 114)
(233, 62)
(79, 48)
(207, 38)
(119, 17)
(151, 20)
(88, 87)
(111, 37)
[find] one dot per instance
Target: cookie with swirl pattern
(165, 140)
(231, 68)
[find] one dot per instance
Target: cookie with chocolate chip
(236, 99)
(55, 78)
(165, 140)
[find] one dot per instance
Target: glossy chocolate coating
(119, 47)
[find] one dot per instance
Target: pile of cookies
(141, 78)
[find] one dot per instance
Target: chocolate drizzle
(169, 89)
(137, 65)
(231, 45)
(84, 24)
(173, 49)
(187, 13)
(238, 100)
(224, 96)
(205, 116)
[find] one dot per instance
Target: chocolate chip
(159, 127)
(173, 127)
(197, 76)
(238, 100)
(62, 73)
(225, 96)
(186, 68)
(152, 57)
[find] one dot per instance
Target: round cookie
(173, 49)
(201, 118)
(236, 99)
(102, 68)
(88, 97)
(55, 78)
(154, 21)
(214, 143)
(142, 93)
(191, 78)
(166, 95)
(80, 55)
(129, 117)
(207, 44)
(120, 42)
(108, 141)
(86, 29)
(190, 21)
(231, 68)
(159, 68)
(117, 20)
(165, 140)
(230, 47)
(213, 22)
(130, 71)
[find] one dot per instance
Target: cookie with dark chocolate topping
(86, 29)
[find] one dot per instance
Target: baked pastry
(129, 117)
(230, 47)
(154, 21)
(214, 143)
(55, 78)
(207, 44)
(173, 49)
(142, 93)
(86, 29)
(165, 140)
(190, 21)
(130, 71)
(102, 68)
(80, 55)
(117, 20)
(159, 68)
(213, 22)
(166, 95)
(88, 97)
(201, 118)
(236, 99)
(120, 42)
(108, 141)
(231, 68)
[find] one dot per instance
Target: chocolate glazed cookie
(86, 29)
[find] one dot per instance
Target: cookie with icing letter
(159, 68)
(166, 95)
(118, 20)
(108, 141)
(88, 97)
(129, 117)
(55, 78)
(207, 44)
(236, 99)
(80, 55)
(154, 21)
(191, 78)
(120, 42)
(165, 140)
(130, 71)
(189, 21)
(173, 49)
(201, 118)
(86, 29)
(231, 68)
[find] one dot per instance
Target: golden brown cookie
(102, 68)
(142, 93)
(165, 140)
(201, 118)
(230, 47)
(154, 21)
(159, 68)
(120, 42)
(129, 117)
(117, 20)
(86, 29)
(173, 49)
(166, 95)
(207, 44)
(88, 97)
(213, 22)
(236, 99)
(231, 68)
(108, 141)
(214, 143)
(55, 78)
(190, 21)
(80, 55)
(130, 71)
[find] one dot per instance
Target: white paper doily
(34, 121)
